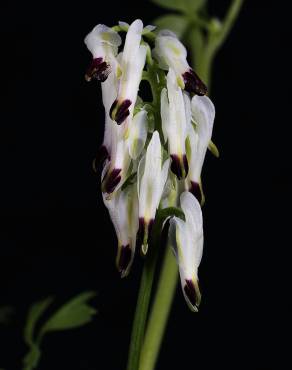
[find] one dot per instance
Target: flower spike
(171, 53)
(103, 43)
(132, 64)
(153, 151)
(187, 239)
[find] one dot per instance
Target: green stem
(204, 51)
(229, 20)
(160, 312)
(141, 311)
(138, 330)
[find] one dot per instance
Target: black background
(56, 236)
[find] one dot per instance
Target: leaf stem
(229, 20)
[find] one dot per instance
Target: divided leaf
(72, 314)
(34, 315)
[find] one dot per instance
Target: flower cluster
(152, 152)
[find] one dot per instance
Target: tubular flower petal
(109, 90)
(187, 239)
(152, 176)
(171, 53)
(114, 146)
(119, 163)
(123, 210)
(174, 125)
(137, 130)
(203, 114)
(103, 43)
(132, 64)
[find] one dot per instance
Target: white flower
(175, 125)
(152, 175)
(115, 147)
(103, 43)
(171, 53)
(187, 239)
(123, 210)
(203, 114)
(116, 169)
(132, 64)
(109, 90)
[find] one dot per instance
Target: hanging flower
(132, 64)
(123, 210)
(103, 43)
(174, 125)
(187, 242)
(152, 175)
(171, 53)
(203, 114)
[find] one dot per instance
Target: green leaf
(176, 23)
(185, 6)
(72, 314)
(34, 315)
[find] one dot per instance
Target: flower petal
(133, 40)
(137, 134)
(164, 111)
(186, 238)
(132, 64)
(101, 35)
(203, 113)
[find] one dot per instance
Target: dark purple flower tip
(192, 293)
(98, 69)
(196, 191)
(101, 156)
(193, 83)
(179, 166)
(120, 111)
(124, 260)
(111, 180)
